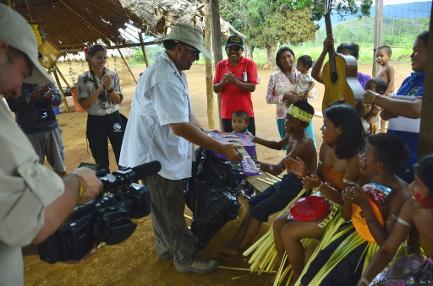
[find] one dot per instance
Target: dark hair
(351, 139)
(390, 150)
(387, 49)
(305, 106)
(352, 48)
(306, 60)
(169, 44)
(94, 49)
(424, 170)
(381, 84)
(241, 114)
(423, 37)
(281, 51)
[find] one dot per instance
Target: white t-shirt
(161, 98)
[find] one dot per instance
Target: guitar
(339, 74)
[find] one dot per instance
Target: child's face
(239, 124)
(301, 67)
(292, 125)
(367, 160)
(382, 57)
(366, 109)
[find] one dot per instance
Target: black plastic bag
(211, 195)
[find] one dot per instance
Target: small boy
(240, 122)
(385, 69)
(277, 196)
(369, 112)
(305, 82)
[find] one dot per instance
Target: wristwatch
(110, 90)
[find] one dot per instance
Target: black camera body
(105, 219)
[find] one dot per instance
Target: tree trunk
(208, 62)
(249, 52)
(270, 57)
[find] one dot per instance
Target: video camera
(104, 219)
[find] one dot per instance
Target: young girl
(335, 265)
(100, 94)
(416, 213)
(343, 135)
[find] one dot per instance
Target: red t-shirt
(232, 97)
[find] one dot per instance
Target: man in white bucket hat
(34, 201)
(161, 127)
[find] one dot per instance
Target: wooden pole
(143, 49)
(378, 23)
(426, 130)
(127, 65)
(208, 62)
(61, 75)
(216, 42)
(61, 90)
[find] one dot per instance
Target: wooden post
(127, 65)
(216, 41)
(61, 90)
(208, 45)
(426, 130)
(61, 75)
(378, 23)
(143, 49)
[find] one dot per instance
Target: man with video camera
(34, 201)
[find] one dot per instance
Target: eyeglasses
(195, 52)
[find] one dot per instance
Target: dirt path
(134, 262)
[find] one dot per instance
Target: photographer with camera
(34, 201)
(35, 115)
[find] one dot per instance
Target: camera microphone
(146, 169)
(126, 176)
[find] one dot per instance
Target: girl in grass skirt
(372, 209)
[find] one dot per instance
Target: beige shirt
(27, 187)
(103, 104)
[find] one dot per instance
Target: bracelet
(81, 192)
(364, 281)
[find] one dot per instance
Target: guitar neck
(331, 52)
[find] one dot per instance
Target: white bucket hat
(17, 33)
(189, 35)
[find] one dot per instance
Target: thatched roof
(70, 25)
(158, 15)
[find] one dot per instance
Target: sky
(390, 2)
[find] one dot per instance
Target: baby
(305, 82)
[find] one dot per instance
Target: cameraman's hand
(88, 180)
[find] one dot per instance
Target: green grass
(400, 54)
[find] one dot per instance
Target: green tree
(270, 23)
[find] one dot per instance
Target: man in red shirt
(235, 78)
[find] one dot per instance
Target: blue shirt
(35, 115)
(413, 85)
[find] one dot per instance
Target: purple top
(363, 78)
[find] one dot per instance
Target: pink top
(279, 84)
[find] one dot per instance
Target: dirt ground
(134, 262)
